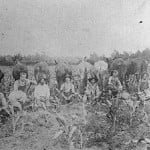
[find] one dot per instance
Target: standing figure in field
(67, 89)
(114, 83)
(92, 91)
(3, 104)
(77, 83)
(144, 84)
(132, 84)
(42, 92)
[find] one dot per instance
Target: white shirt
(66, 87)
(42, 91)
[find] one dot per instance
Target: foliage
(112, 122)
(10, 60)
(17, 69)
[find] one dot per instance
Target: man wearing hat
(67, 88)
(92, 89)
(114, 83)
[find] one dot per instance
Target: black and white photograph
(74, 74)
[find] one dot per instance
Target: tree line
(9, 60)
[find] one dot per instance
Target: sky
(74, 27)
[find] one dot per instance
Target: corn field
(107, 123)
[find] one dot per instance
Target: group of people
(19, 94)
(42, 91)
(70, 87)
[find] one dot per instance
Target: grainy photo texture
(74, 75)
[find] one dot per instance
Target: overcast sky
(74, 27)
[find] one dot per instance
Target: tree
(125, 55)
(146, 54)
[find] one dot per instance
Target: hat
(76, 75)
(93, 77)
(113, 72)
(145, 73)
(68, 76)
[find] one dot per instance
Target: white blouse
(42, 91)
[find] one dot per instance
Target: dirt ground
(34, 138)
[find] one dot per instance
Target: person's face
(131, 76)
(145, 76)
(76, 78)
(115, 73)
(42, 81)
(67, 79)
(93, 81)
(23, 76)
